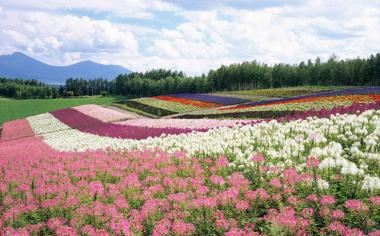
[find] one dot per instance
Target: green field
(11, 109)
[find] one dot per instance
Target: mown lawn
(11, 109)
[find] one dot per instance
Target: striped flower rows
(345, 94)
(186, 101)
(223, 100)
(303, 177)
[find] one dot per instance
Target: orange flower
(188, 101)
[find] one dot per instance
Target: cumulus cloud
(56, 36)
(201, 38)
(287, 33)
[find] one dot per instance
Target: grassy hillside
(11, 109)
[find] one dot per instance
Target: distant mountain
(19, 65)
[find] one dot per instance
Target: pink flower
(121, 202)
(374, 233)
(54, 223)
(312, 162)
(88, 230)
(217, 180)
(204, 202)
(292, 200)
(355, 205)
(177, 197)
(258, 158)
(338, 227)
(275, 182)
(162, 228)
(222, 162)
(353, 232)
(66, 231)
(276, 197)
(237, 180)
(307, 212)
(312, 198)
(327, 199)
(337, 214)
(242, 205)
(182, 228)
(375, 200)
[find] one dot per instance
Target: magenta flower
(258, 158)
(275, 182)
(54, 223)
(307, 212)
(327, 200)
(162, 228)
(181, 228)
(337, 214)
(312, 198)
(66, 231)
(217, 180)
(242, 205)
(356, 205)
(222, 162)
(312, 162)
(375, 200)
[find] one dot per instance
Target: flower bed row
(346, 99)
(185, 101)
(103, 114)
(15, 129)
(77, 120)
(223, 100)
(168, 105)
(287, 92)
(287, 107)
(183, 123)
(334, 93)
(152, 192)
(153, 108)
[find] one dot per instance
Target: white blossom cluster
(345, 144)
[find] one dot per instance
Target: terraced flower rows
(283, 107)
(180, 103)
(312, 176)
(84, 171)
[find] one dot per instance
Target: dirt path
(135, 115)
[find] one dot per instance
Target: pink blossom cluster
(43, 191)
(183, 123)
(104, 114)
(16, 129)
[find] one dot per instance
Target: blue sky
(192, 36)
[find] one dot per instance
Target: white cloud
(55, 37)
(121, 8)
(201, 39)
(288, 33)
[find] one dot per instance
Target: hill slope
(19, 65)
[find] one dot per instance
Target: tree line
(254, 75)
(18, 88)
(239, 76)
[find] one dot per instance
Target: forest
(20, 89)
(239, 76)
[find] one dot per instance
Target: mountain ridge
(18, 65)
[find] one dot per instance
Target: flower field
(273, 108)
(90, 170)
(181, 103)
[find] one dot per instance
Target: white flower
(322, 184)
(371, 183)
